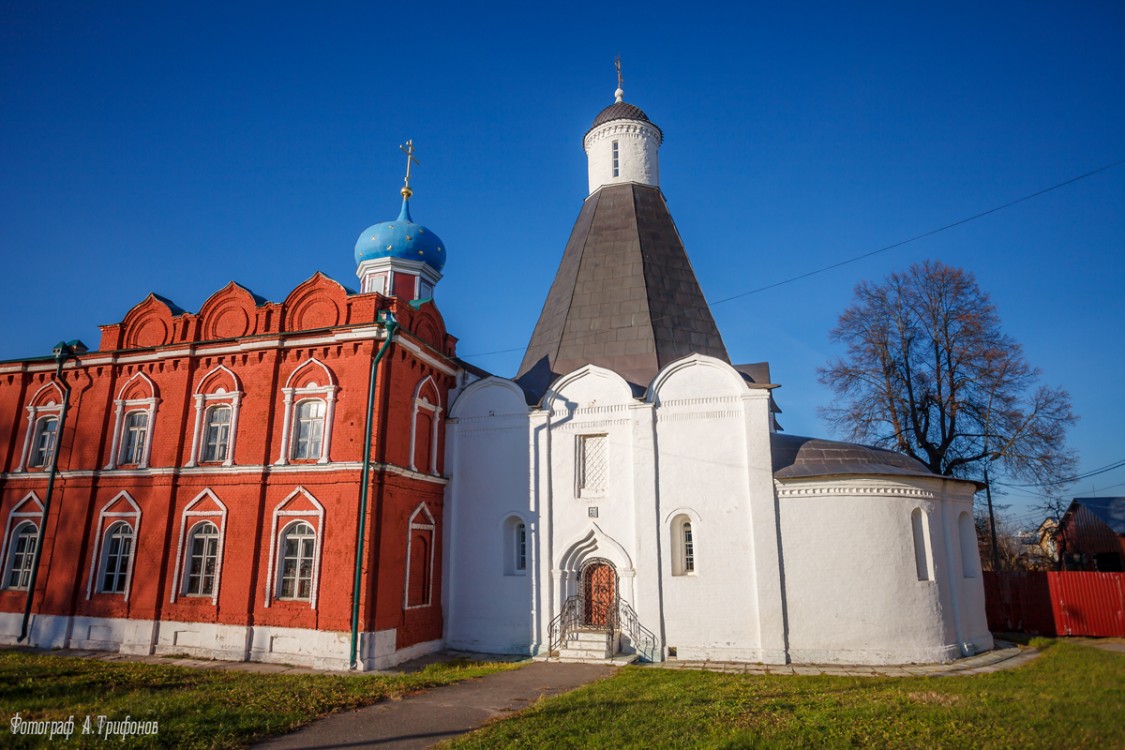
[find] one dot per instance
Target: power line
(832, 266)
(1069, 480)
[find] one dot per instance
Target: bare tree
(928, 372)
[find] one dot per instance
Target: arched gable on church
(229, 313)
(317, 302)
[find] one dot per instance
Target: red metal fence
(1063, 603)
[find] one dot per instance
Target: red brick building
(210, 467)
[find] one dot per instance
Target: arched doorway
(599, 591)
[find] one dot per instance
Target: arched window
(25, 537)
(921, 544)
(515, 546)
(419, 559)
(201, 565)
(133, 421)
(117, 558)
(310, 402)
(43, 444)
(134, 438)
(683, 546)
(216, 437)
(298, 553)
(970, 555)
(308, 429)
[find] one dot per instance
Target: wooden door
(600, 595)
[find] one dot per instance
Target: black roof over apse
(796, 457)
(623, 111)
(625, 296)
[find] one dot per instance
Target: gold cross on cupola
(408, 149)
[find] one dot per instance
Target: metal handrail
(644, 640)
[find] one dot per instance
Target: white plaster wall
(968, 607)
(487, 454)
(850, 574)
(638, 143)
(713, 461)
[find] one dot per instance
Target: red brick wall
(262, 345)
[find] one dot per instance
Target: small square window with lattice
(593, 465)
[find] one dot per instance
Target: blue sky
(174, 147)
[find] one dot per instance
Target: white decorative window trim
(293, 396)
(96, 564)
(203, 515)
(123, 407)
(426, 523)
(53, 407)
(420, 403)
(18, 517)
(203, 401)
(273, 568)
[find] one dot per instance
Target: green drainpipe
(387, 318)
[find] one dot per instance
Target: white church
(628, 492)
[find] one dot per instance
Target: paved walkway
(1004, 656)
(423, 720)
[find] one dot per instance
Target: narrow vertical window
(46, 430)
(118, 554)
(521, 546)
(308, 433)
(616, 160)
(298, 549)
(217, 436)
(592, 465)
(689, 548)
(133, 442)
(970, 555)
(683, 546)
(203, 560)
(921, 546)
(24, 540)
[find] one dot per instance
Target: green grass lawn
(194, 707)
(1072, 696)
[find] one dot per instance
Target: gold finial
(619, 95)
(408, 149)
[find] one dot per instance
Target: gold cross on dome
(408, 149)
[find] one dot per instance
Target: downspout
(63, 352)
(390, 325)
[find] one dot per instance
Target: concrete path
(1004, 656)
(423, 720)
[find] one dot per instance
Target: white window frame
(131, 517)
(681, 520)
(28, 560)
(35, 412)
(293, 396)
(422, 403)
(128, 431)
(615, 158)
(207, 396)
(375, 282)
(191, 518)
(123, 406)
(510, 546)
(18, 517)
(296, 527)
(41, 456)
(283, 512)
(426, 523)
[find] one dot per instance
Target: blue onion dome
(401, 238)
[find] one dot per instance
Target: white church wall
(852, 576)
(587, 500)
(489, 603)
(963, 570)
(637, 158)
(709, 426)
